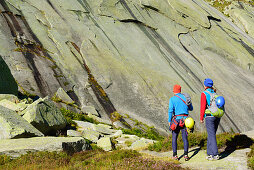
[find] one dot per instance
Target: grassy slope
(96, 159)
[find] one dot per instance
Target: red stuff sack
(181, 122)
(173, 124)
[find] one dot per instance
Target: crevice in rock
(186, 49)
(99, 92)
(137, 22)
(151, 7)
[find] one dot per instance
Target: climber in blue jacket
(179, 109)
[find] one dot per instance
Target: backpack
(187, 97)
(212, 108)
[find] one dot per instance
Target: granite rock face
(125, 56)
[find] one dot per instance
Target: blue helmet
(220, 101)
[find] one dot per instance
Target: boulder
(14, 126)
(141, 144)
(45, 116)
(90, 109)
(104, 129)
(105, 143)
(91, 135)
(81, 125)
(9, 97)
(106, 121)
(17, 147)
(13, 106)
(117, 134)
(63, 96)
(73, 133)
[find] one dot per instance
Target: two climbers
(178, 111)
(211, 108)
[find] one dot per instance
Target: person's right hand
(201, 121)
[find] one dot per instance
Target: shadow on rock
(237, 142)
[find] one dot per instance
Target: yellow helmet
(189, 122)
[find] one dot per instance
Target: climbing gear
(187, 97)
(189, 123)
(220, 101)
(174, 123)
(209, 157)
(213, 109)
(181, 122)
(175, 157)
(216, 157)
(186, 157)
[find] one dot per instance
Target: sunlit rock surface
(125, 56)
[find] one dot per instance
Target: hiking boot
(209, 157)
(186, 157)
(216, 157)
(175, 157)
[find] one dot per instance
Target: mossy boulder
(14, 126)
(45, 116)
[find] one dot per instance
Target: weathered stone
(106, 121)
(90, 109)
(77, 146)
(73, 133)
(104, 129)
(119, 124)
(13, 106)
(141, 144)
(14, 126)
(81, 125)
(91, 135)
(9, 97)
(117, 134)
(105, 143)
(63, 96)
(46, 117)
(16, 147)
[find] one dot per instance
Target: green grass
(70, 116)
(94, 159)
(149, 133)
(226, 141)
(251, 158)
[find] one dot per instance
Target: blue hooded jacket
(178, 107)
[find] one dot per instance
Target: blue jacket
(178, 107)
